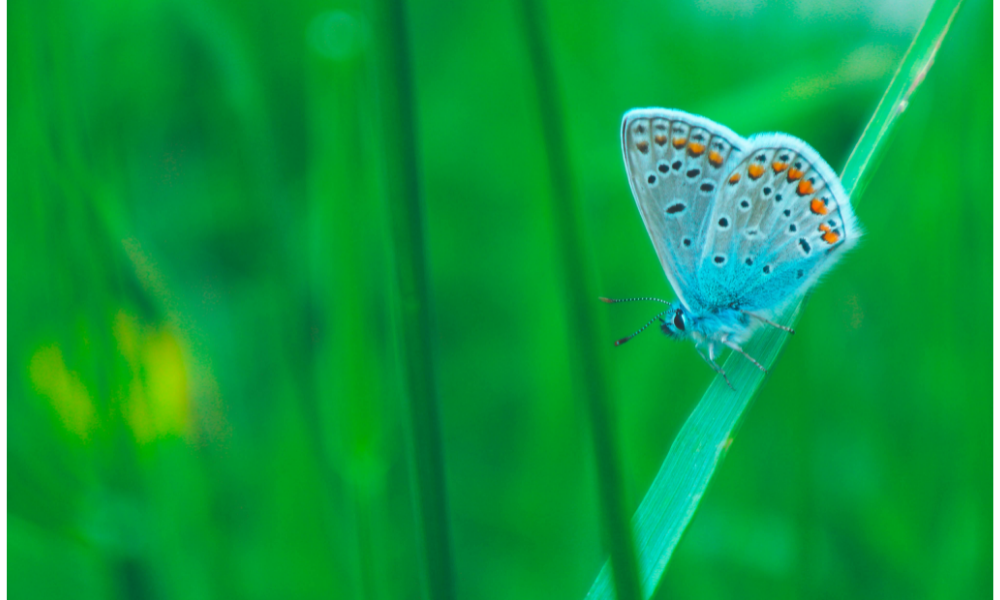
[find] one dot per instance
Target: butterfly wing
(781, 220)
(676, 164)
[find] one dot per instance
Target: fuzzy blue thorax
(719, 326)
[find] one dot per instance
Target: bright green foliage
(204, 391)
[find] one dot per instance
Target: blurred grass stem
(412, 304)
(590, 372)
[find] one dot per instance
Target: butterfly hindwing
(677, 164)
(781, 220)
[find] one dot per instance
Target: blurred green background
(203, 394)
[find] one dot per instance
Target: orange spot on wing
(696, 149)
(660, 139)
(816, 205)
(642, 146)
(805, 187)
(679, 142)
(794, 174)
(830, 237)
(715, 158)
(755, 171)
(734, 178)
(779, 166)
(824, 227)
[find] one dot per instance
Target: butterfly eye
(679, 319)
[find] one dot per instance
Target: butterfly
(742, 227)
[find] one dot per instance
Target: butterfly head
(676, 322)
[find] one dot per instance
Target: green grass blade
(919, 58)
(677, 489)
(590, 371)
(412, 301)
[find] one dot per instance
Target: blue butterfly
(742, 226)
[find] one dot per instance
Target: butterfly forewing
(677, 163)
(780, 221)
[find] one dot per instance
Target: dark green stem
(590, 371)
(412, 302)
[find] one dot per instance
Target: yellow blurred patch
(63, 388)
(157, 402)
(166, 382)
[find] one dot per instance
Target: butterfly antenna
(641, 329)
(614, 301)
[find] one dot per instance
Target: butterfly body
(742, 227)
(713, 330)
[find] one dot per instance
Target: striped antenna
(613, 301)
(643, 328)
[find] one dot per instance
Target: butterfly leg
(736, 347)
(717, 368)
(771, 323)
